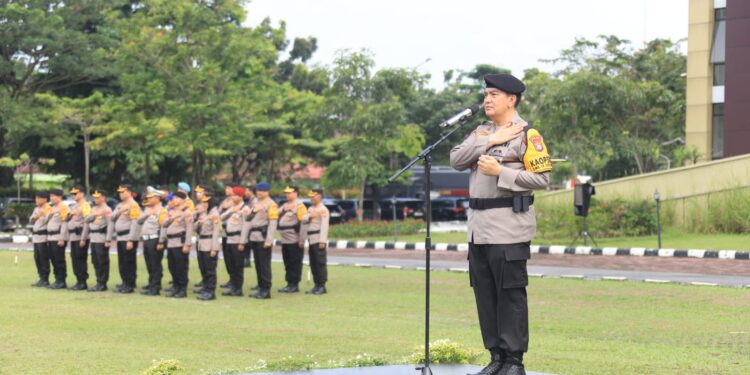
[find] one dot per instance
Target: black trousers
(293, 256)
(59, 266)
(79, 256)
(235, 260)
(153, 260)
(498, 275)
(100, 260)
(262, 264)
(319, 264)
(126, 262)
(178, 265)
(208, 271)
(227, 256)
(42, 258)
(202, 267)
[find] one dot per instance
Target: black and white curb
(535, 249)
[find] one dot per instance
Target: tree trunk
(361, 211)
(147, 167)
(86, 161)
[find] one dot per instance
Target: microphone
(461, 116)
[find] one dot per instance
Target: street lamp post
(657, 198)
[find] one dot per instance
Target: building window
(717, 132)
(719, 75)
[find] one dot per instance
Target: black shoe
(313, 290)
(199, 285)
(321, 290)
(169, 290)
(255, 288)
(226, 285)
(199, 291)
(125, 290)
(98, 288)
(181, 293)
(290, 288)
(512, 369)
(207, 296)
(59, 285)
(233, 293)
(145, 287)
(79, 286)
(493, 368)
(150, 292)
(41, 284)
(262, 294)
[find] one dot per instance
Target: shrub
(163, 367)
(373, 228)
(445, 351)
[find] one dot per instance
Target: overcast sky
(461, 34)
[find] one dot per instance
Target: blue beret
(505, 82)
(183, 186)
(263, 186)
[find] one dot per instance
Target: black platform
(390, 370)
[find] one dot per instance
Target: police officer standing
(176, 236)
(79, 244)
(57, 237)
(185, 188)
(317, 234)
(250, 201)
(508, 160)
(236, 229)
(263, 221)
(96, 230)
(226, 204)
(38, 220)
(152, 218)
(207, 227)
(293, 232)
(124, 229)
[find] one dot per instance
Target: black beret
(42, 194)
(505, 82)
(57, 192)
(180, 194)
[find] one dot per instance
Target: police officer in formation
(166, 223)
(508, 161)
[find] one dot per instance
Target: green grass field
(671, 239)
(577, 327)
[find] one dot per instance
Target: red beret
(238, 190)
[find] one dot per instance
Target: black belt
(176, 235)
(76, 231)
(100, 230)
(295, 227)
(519, 203)
(39, 233)
(205, 236)
(124, 232)
(313, 232)
(53, 233)
(262, 229)
(230, 234)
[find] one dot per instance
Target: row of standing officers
(242, 226)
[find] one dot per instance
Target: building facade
(718, 78)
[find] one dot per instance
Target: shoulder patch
(135, 211)
(536, 158)
(273, 211)
(85, 209)
(64, 211)
(301, 211)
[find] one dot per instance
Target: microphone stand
(427, 159)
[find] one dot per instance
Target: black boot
(513, 365)
(494, 367)
(314, 290)
(99, 287)
(226, 285)
(262, 294)
(199, 285)
(150, 292)
(179, 293)
(199, 291)
(233, 292)
(207, 296)
(125, 290)
(255, 288)
(59, 285)
(290, 288)
(41, 284)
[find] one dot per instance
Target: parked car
(406, 208)
(338, 214)
(8, 222)
(449, 208)
(350, 207)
